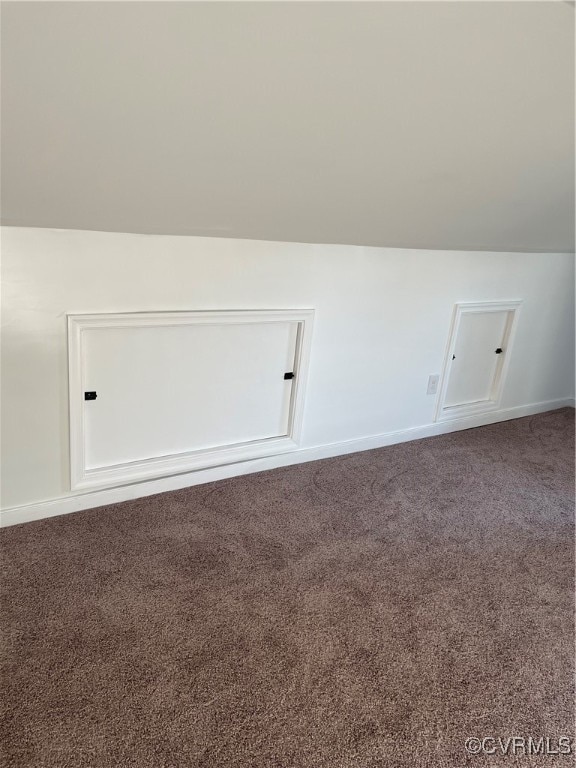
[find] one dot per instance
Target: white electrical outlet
(433, 380)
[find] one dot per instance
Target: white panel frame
(446, 413)
(135, 471)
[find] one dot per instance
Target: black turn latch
(90, 395)
(499, 351)
(288, 376)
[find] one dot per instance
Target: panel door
(475, 362)
(164, 390)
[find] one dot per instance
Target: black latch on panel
(90, 395)
(499, 351)
(288, 376)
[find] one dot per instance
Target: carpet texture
(370, 610)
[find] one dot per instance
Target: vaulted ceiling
(413, 124)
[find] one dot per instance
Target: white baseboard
(74, 503)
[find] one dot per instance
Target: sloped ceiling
(420, 124)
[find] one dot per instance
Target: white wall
(382, 321)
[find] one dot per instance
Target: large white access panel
(153, 394)
(477, 358)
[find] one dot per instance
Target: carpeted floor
(370, 610)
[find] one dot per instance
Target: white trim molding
(103, 497)
(493, 403)
(111, 476)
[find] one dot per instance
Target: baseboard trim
(89, 500)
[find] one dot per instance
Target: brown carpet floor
(370, 610)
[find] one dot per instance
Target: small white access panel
(477, 358)
(155, 394)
